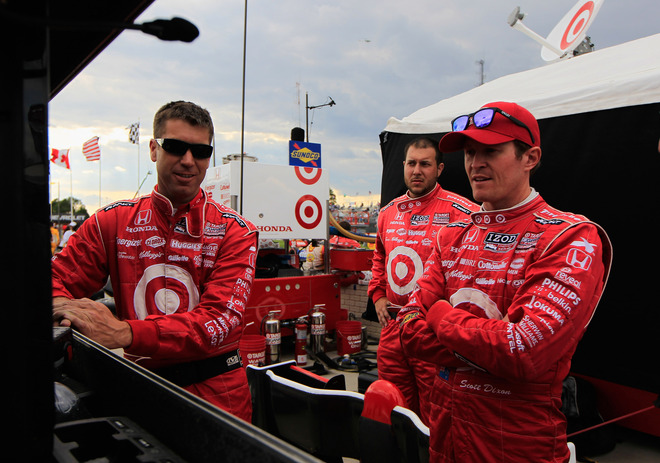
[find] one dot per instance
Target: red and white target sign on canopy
(572, 29)
(309, 211)
(283, 202)
(308, 175)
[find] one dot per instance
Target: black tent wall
(603, 165)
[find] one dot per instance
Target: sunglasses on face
(483, 118)
(180, 148)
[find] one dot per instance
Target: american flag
(91, 149)
(60, 157)
(134, 135)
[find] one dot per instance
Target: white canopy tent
(622, 75)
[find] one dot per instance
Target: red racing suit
(502, 304)
(407, 229)
(180, 278)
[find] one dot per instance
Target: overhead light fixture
(175, 29)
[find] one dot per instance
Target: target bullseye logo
(166, 287)
(308, 175)
(404, 267)
(570, 31)
(309, 212)
(577, 25)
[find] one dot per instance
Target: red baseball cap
(510, 121)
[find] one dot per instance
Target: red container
(351, 259)
(253, 349)
(349, 337)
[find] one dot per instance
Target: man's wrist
(125, 335)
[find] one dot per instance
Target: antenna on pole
(308, 107)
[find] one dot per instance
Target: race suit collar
(408, 203)
(485, 218)
(192, 213)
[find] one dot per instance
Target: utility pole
(481, 71)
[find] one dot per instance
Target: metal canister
(317, 330)
(272, 331)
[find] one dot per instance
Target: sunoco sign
(304, 154)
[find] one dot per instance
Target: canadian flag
(60, 158)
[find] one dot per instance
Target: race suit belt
(185, 374)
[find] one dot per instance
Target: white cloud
(376, 59)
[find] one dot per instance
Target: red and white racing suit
(180, 278)
(502, 304)
(407, 229)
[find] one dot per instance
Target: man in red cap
(504, 299)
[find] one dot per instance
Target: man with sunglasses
(180, 266)
(505, 297)
(407, 227)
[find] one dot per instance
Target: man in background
(407, 229)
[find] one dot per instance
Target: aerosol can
(301, 341)
(271, 328)
(317, 328)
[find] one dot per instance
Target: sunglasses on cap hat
(180, 148)
(483, 118)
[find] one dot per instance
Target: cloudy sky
(375, 59)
